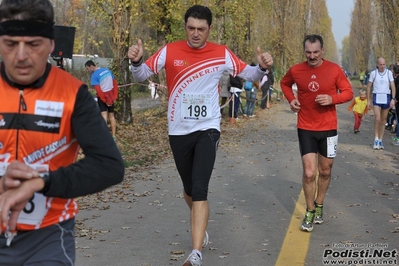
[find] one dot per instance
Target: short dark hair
(90, 63)
(199, 12)
(312, 38)
(396, 69)
(30, 10)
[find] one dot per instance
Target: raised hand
(136, 51)
(265, 60)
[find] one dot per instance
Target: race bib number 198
(196, 107)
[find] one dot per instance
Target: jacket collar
(37, 84)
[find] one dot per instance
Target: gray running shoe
(307, 223)
(206, 240)
(318, 217)
(193, 260)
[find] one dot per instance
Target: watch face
(46, 177)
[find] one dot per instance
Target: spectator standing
(362, 76)
(235, 91)
(366, 77)
(396, 81)
(106, 88)
(382, 99)
(321, 86)
(266, 83)
(250, 92)
(224, 88)
(39, 172)
(193, 70)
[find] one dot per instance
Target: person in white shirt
(383, 99)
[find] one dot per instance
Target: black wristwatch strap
(263, 69)
(136, 64)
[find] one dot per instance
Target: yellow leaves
(144, 142)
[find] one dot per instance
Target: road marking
(296, 242)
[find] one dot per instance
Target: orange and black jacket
(45, 124)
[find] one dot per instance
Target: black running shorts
(194, 156)
(315, 141)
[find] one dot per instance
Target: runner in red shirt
(321, 85)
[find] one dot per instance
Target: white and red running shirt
(192, 77)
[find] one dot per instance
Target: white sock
(198, 252)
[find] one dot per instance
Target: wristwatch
(137, 64)
(46, 178)
(263, 69)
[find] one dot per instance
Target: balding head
(381, 64)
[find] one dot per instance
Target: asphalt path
(253, 193)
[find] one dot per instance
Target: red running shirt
(329, 79)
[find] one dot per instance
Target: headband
(27, 28)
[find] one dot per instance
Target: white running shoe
(206, 240)
(376, 145)
(380, 144)
(193, 260)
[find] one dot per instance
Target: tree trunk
(120, 29)
(124, 112)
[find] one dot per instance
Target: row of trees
(109, 27)
(373, 33)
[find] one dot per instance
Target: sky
(340, 12)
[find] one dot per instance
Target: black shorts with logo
(314, 141)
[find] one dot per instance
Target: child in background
(359, 108)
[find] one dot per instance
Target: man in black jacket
(46, 115)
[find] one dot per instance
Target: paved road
(253, 193)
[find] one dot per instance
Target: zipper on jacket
(21, 100)
(9, 236)
(22, 105)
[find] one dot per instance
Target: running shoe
(206, 240)
(318, 217)
(395, 138)
(376, 145)
(307, 223)
(193, 260)
(380, 144)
